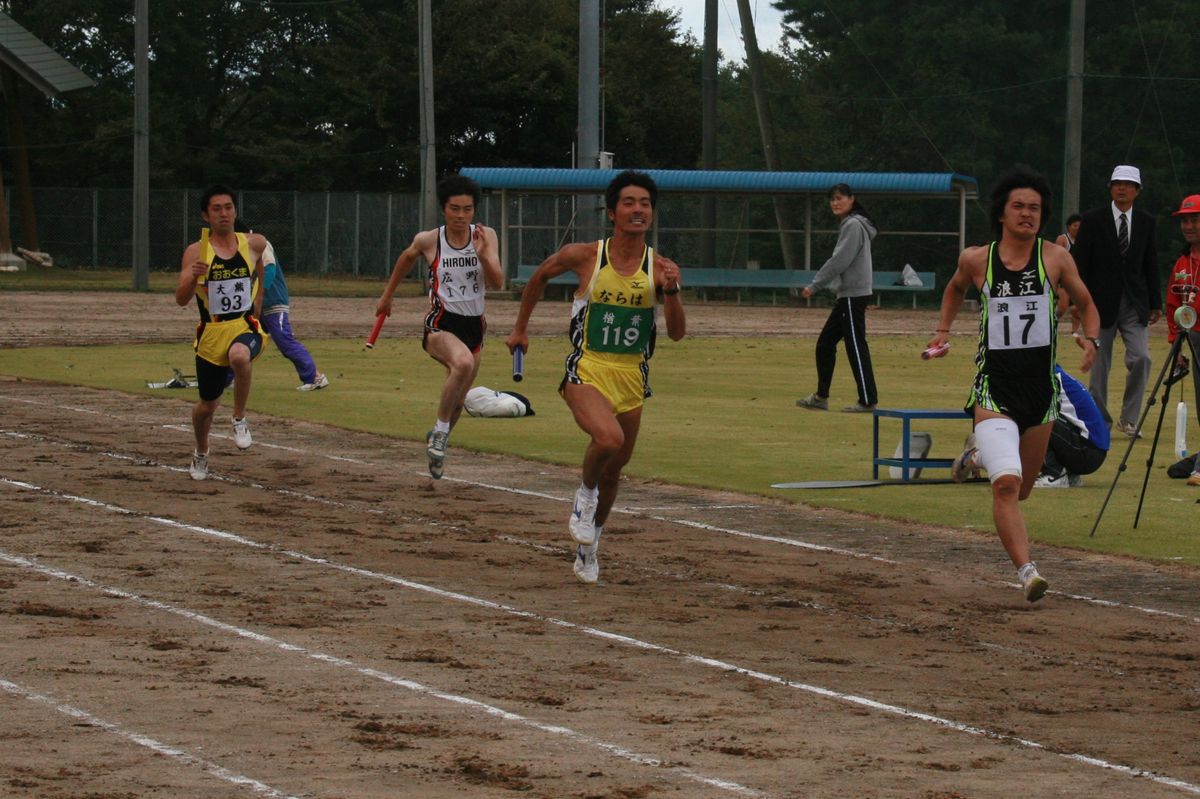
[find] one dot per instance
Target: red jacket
(1185, 272)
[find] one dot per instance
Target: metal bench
(890, 281)
(906, 462)
(702, 278)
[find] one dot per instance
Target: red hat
(1190, 205)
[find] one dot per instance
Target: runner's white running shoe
(1033, 584)
(435, 448)
(582, 523)
(199, 468)
(241, 433)
(587, 563)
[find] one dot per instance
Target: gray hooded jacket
(848, 270)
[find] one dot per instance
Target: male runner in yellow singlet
(223, 271)
(612, 337)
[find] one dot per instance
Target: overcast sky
(767, 21)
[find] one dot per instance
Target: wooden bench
(906, 462)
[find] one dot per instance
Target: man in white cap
(1117, 261)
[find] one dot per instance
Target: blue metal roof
(697, 181)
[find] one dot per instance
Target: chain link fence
(347, 233)
(361, 234)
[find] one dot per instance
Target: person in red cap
(1117, 260)
(1183, 288)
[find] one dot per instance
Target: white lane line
(146, 741)
(624, 640)
(383, 676)
(688, 523)
(558, 550)
(260, 443)
(1107, 603)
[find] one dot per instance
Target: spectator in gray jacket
(848, 273)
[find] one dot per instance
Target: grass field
(723, 417)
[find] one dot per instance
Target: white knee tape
(999, 444)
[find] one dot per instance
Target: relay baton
(518, 364)
(379, 320)
(935, 352)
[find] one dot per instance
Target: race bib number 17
(1016, 323)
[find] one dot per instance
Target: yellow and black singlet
(612, 318)
(225, 299)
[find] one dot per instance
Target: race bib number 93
(229, 296)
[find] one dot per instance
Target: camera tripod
(1176, 376)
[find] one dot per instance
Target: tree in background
(315, 96)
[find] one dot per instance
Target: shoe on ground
(1074, 480)
(1033, 584)
(858, 407)
(241, 433)
(587, 563)
(1194, 479)
(814, 402)
(199, 468)
(1047, 480)
(964, 466)
(582, 523)
(435, 448)
(1129, 429)
(319, 382)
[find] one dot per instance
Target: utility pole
(1073, 135)
(708, 132)
(587, 150)
(429, 206)
(141, 146)
(765, 126)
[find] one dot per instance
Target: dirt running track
(322, 620)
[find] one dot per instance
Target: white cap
(1126, 172)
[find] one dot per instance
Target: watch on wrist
(1095, 342)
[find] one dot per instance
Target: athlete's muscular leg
(1008, 491)
(239, 362)
(610, 474)
(461, 367)
(594, 415)
(1034, 443)
(202, 416)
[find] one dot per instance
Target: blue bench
(906, 462)
(792, 280)
(890, 281)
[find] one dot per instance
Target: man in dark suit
(1117, 261)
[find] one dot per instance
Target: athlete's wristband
(671, 292)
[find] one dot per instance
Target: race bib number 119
(615, 329)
